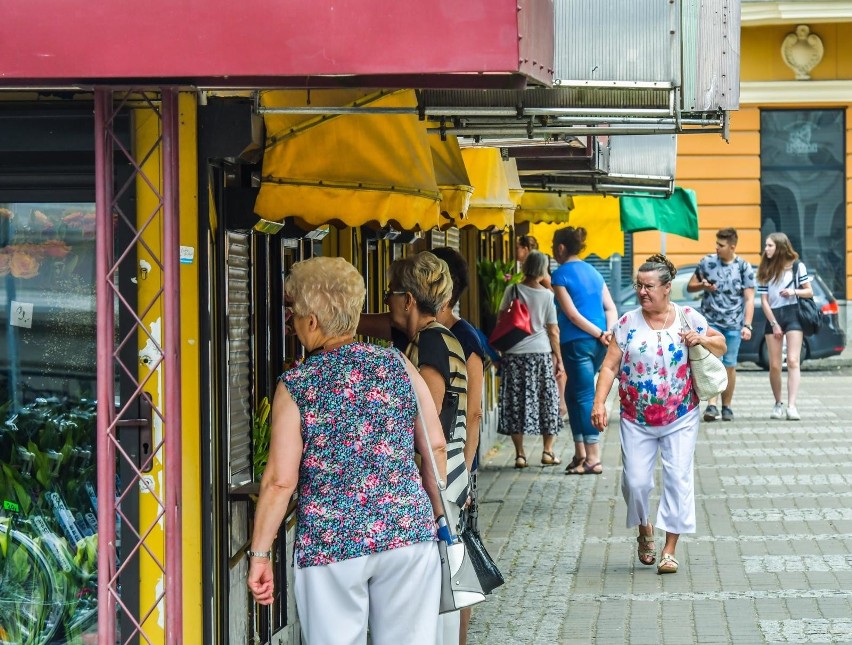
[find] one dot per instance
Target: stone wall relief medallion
(802, 51)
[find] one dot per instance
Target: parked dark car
(829, 341)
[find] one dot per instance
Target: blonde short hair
(425, 277)
(329, 288)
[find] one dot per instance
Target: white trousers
(676, 445)
(396, 592)
(449, 628)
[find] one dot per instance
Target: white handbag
(460, 586)
(709, 375)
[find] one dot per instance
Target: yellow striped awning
(600, 216)
(348, 169)
(516, 191)
(538, 207)
(451, 176)
(490, 204)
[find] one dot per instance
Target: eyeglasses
(388, 293)
(638, 286)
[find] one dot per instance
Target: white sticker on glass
(21, 314)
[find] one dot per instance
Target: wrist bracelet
(748, 326)
(602, 333)
(266, 555)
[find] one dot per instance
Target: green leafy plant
(261, 433)
(495, 276)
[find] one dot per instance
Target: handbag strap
(796, 282)
(684, 323)
(442, 485)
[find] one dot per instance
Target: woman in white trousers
(659, 407)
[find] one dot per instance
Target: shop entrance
(48, 376)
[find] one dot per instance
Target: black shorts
(787, 317)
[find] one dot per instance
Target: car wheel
(763, 356)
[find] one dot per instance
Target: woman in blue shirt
(586, 313)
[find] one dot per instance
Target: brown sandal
(575, 461)
(647, 554)
(521, 461)
(549, 459)
(586, 469)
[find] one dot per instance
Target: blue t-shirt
(584, 284)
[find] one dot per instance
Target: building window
(802, 187)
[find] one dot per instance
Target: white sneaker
(793, 414)
(777, 411)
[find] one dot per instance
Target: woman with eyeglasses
(659, 407)
(345, 427)
(419, 287)
(586, 312)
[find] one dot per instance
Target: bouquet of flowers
(495, 276)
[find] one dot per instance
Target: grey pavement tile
(571, 565)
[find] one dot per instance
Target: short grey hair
(329, 288)
(536, 265)
(426, 277)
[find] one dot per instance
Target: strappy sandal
(647, 554)
(520, 461)
(549, 459)
(667, 564)
(575, 461)
(586, 469)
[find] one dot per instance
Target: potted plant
(495, 276)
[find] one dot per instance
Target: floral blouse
(359, 488)
(655, 383)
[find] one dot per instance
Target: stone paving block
(770, 507)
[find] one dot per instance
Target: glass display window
(48, 522)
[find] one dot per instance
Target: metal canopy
(616, 165)
(643, 67)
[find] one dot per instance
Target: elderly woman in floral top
(659, 407)
(344, 431)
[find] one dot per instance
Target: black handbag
(809, 314)
(486, 569)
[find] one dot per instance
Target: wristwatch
(748, 326)
(266, 555)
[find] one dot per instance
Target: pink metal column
(141, 537)
(171, 346)
(106, 394)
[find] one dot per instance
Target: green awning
(677, 215)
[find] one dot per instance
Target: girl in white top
(779, 290)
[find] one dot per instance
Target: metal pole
(104, 240)
(171, 363)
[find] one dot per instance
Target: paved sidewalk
(771, 561)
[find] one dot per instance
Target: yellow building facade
(728, 177)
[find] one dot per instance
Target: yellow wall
(147, 128)
(726, 176)
(761, 53)
(726, 181)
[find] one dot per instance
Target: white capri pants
(397, 592)
(676, 443)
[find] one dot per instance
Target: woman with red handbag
(529, 400)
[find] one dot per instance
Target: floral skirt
(529, 398)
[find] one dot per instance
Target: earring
(406, 309)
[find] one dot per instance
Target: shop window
(48, 527)
(802, 187)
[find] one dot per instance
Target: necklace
(665, 322)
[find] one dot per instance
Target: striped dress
(436, 347)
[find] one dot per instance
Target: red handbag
(513, 324)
